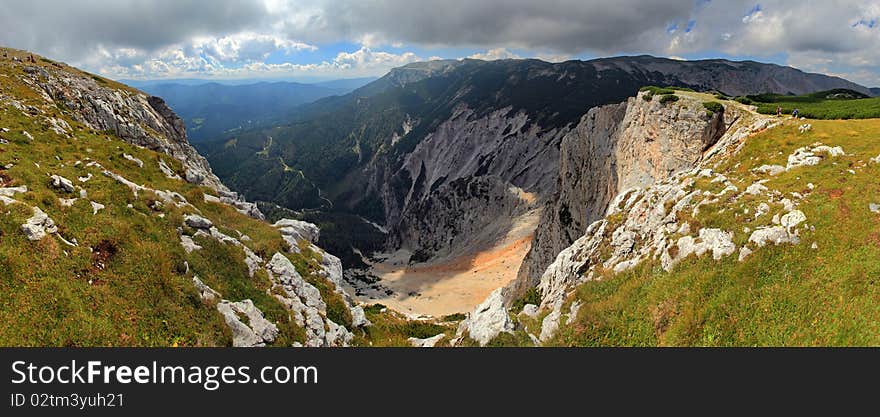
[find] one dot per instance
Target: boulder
(294, 230)
(550, 325)
(426, 343)
(189, 245)
(61, 183)
(756, 189)
(776, 235)
(205, 292)
(39, 225)
(197, 222)
(359, 318)
(771, 170)
(718, 241)
(530, 310)
(791, 220)
(257, 332)
(488, 320)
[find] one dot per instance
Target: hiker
(796, 113)
(779, 111)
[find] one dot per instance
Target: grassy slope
(55, 295)
(815, 106)
(780, 296)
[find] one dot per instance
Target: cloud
(220, 36)
(194, 63)
(495, 54)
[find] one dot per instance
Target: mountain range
(393, 147)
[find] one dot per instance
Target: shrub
(713, 107)
(657, 91)
(669, 98)
(532, 296)
(454, 317)
(744, 100)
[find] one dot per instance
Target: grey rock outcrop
(616, 148)
(61, 183)
(132, 115)
(256, 332)
(488, 320)
(426, 343)
(295, 230)
(39, 225)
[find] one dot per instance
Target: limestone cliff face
(616, 148)
(460, 217)
(465, 176)
(129, 114)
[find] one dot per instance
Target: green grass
(789, 295)
(142, 294)
(828, 105)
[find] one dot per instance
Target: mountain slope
(114, 232)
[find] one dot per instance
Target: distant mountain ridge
(875, 91)
(212, 110)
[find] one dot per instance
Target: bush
(669, 98)
(532, 296)
(657, 91)
(454, 317)
(713, 107)
(744, 100)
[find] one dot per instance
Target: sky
(333, 39)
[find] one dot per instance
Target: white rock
(550, 325)
(295, 230)
(744, 253)
(792, 219)
(488, 320)
(718, 241)
(573, 312)
(776, 235)
(197, 222)
(62, 183)
(189, 245)
(257, 332)
(12, 191)
(426, 343)
(756, 189)
(96, 207)
(136, 161)
(771, 170)
(530, 310)
(67, 202)
(875, 208)
(39, 225)
(359, 318)
(205, 292)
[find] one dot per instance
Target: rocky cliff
(116, 232)
(638, 174)
(616, 148)
(129, 114)
(471, 173)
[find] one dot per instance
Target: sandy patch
(454, 285)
